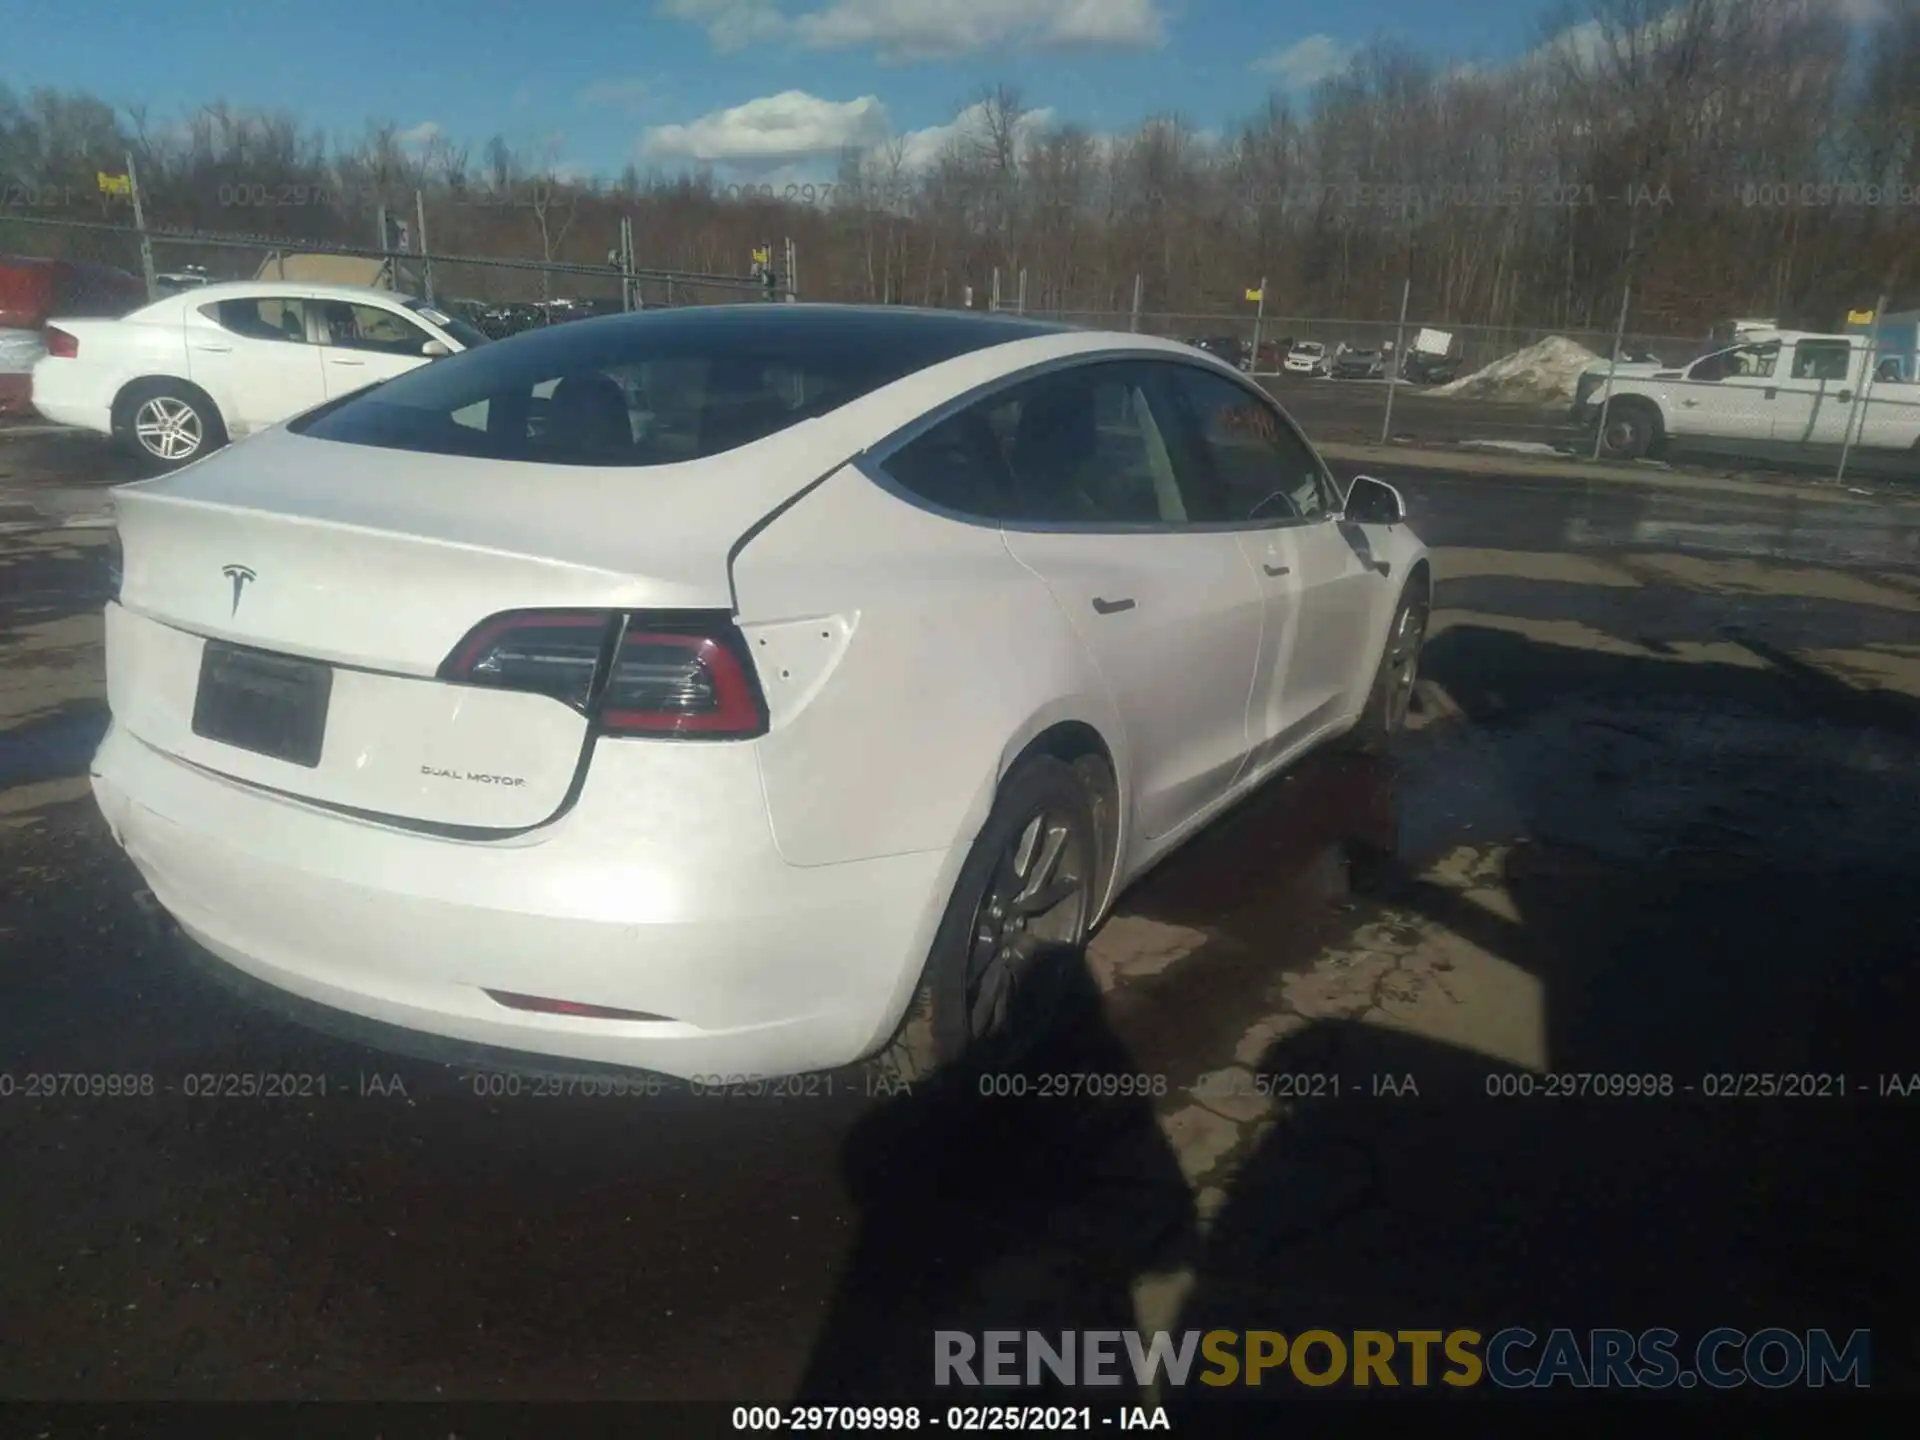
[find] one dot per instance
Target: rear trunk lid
(372, 565)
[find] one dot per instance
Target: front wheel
(1628, 431)
(167, 426)
(1016, 924)
(1391, 698)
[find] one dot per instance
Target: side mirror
(1374, 502)
(434, 350)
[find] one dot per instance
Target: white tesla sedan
(182, 376)
(732, 691)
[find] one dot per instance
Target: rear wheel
(167, 425)
(1391, 698)
(1016, 924)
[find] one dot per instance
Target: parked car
(1422, 367)
(172, 282)
(803, 686)
(504, 320)
(32, 291)
(1271, 354)
(1222, 347)
(1307, 357)
(182, 376)
(1359, 365)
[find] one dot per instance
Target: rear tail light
(61, 345)
(686, 676)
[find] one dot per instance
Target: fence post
(1135, 326)
(140, 224)
(421, 247)
(993, 295)
(1393, 370)
(1860, 395)
(1613, 364)
(630, 295)
(793, 284)
(1259, 320)
(1021, 303)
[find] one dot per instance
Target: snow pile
(1542, 374)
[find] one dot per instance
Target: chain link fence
(545, 289)
(1369, 380)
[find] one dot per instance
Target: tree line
(1722, 156)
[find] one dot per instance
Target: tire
(942, 1033)
(1385, 713)
(165, 424)
(1629, 430)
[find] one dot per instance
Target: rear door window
(1078, 448)
(261, 318)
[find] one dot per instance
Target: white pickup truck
(1781, 392)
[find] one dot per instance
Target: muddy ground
(1657, 817)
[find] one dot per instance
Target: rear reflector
(544, 1006)
(61, 345)
(671, 676)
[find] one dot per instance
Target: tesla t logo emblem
(239, 575)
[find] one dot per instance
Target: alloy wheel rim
(168, 428)
(1620, 434)
(1035, 906)
(1403, 663)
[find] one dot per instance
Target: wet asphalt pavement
(1659, 815)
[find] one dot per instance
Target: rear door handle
(1109, 607)
(216, 349)
(1277, 569)
(346, 362)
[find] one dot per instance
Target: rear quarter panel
(908, 659)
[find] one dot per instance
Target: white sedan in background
(182, 376)
(735, 691)
(1308, 357)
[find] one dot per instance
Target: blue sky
(749, 86)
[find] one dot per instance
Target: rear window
(644, 390)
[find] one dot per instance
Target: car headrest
(589, 413)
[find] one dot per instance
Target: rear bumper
(60, 393)
(756, 966)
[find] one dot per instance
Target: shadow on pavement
(1015, 1212)
(1765, 927)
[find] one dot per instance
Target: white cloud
(930, 29)
(922, 148)
(623, 94)
(421, 135)
(730, 24)
(773, 130)
(1305, 63)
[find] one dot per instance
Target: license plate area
(270, 704)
